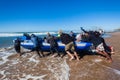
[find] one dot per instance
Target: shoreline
(30, 66)
(5, 40)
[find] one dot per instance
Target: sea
(6, 39)
(30, 67)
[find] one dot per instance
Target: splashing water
(59, 68)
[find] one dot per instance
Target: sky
(53, 15)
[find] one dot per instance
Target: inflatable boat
(27, 44)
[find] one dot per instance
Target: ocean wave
(10, 34)
(20, 34)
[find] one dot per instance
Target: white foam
(65, 71)
(97, 60)
(2, 49)
(21, 34)
(4, 58)
(42, 33)
(60, 71)
(33, 77)
(32, 59)
(10, 34)
(15, 61)
(115, 70)
(2, 73)
(4, 55)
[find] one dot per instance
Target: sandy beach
(30, 67)
(94, 67)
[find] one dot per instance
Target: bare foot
(71, 58)
(109, 60)
(53, 55)
(112, 52)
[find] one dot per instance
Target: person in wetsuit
(98, 43)
(17, 45)
(37, 45)
(53, 44)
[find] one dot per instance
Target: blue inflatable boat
(27, 44)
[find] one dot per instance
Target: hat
(60, 32)
(47, 33)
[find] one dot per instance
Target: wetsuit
(53, 44)
(17, 45)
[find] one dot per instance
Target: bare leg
(42, 54)
(38, 54)
(76, 55)
(103, 53)
(71, 56)
(112, 50)
(108, 57)
(37, 51)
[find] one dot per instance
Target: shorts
(70, 46)
(100, 47)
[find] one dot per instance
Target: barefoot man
(69, 45)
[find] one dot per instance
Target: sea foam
(21, 34)
(33, 77)
(4, 55)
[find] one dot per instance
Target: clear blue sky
(50, 15)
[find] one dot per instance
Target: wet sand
(91, 67)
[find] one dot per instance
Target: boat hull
(61, 47)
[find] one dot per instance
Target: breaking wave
(20, 34)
